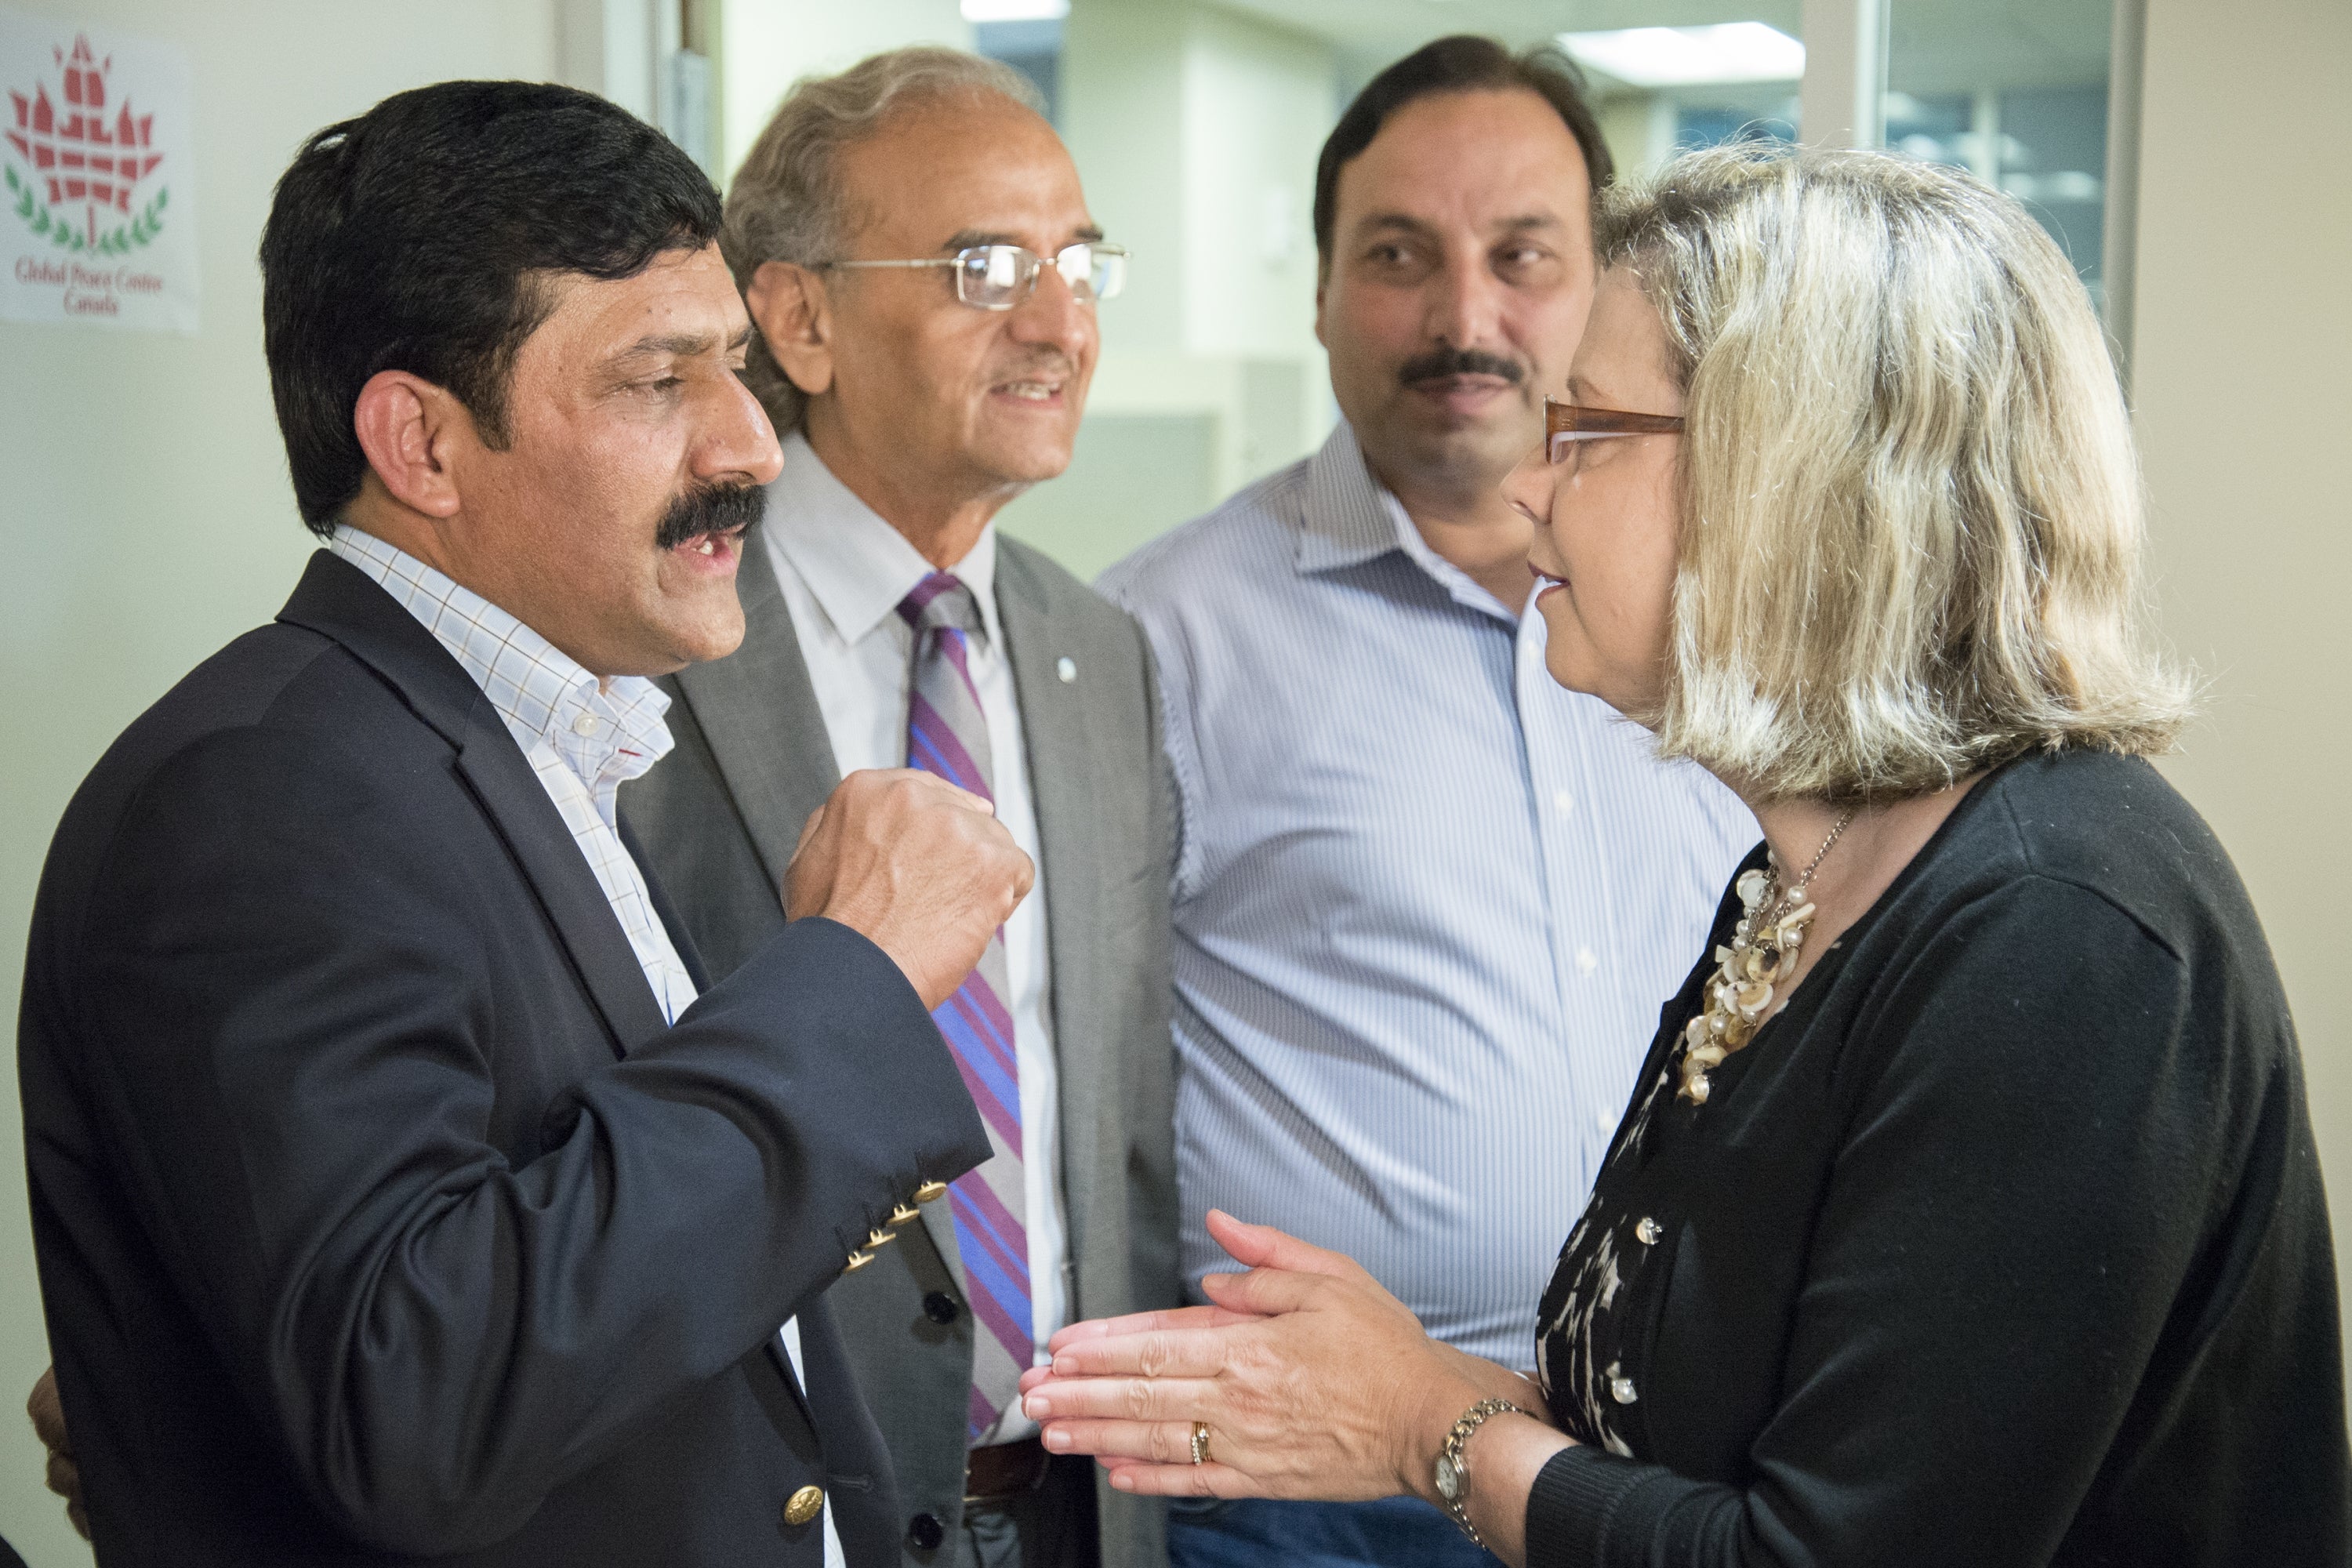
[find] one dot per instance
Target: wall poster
(97, 178)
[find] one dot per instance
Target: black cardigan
(2004, 1244)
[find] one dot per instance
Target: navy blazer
(379, 1214)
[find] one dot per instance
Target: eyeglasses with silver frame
(999, 277)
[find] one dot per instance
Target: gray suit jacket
(721, 817)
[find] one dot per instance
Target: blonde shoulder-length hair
(1911, 536)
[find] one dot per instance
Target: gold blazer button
(904, 1214)
(878, 1237)
(856, 1262)
(930, 1192)
(804, 1505)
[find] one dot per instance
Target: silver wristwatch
(1454, 1469)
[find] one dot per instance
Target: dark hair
(413, 238)
(1461, 63)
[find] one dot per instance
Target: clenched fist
(917, 866)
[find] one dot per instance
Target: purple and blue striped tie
(947, 734)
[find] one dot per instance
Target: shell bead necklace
(1747, 974)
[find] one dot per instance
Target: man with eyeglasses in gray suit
(922, 273)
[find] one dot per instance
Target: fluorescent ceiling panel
(1016, 10)
(1687, 57)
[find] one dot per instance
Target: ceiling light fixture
(1686, 57)
(1016, 10)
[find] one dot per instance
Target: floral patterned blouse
(1589, 1326)
(1581, 1323)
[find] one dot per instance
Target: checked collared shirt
(583, 738)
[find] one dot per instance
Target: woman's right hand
(1312, 1380)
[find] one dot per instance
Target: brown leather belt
(1005, 1470)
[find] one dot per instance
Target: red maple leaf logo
(84, 157)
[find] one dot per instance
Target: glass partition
(2019, 98)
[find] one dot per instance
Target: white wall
(1257, 102)
(144, 514)
(1123, 119)
(764, 46)
(1195, 130)
(2242, 336)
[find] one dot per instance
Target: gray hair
(1912, 531)
(787, 203)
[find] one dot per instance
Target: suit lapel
(583, 916)
(760, 714)
(337, 600)
(1062, 782)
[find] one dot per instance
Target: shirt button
(924, 1533)
(1563, 803)
(1587, 960)
(1620, 1387)
(939, 1308)
(1068, 668)
(804, 1506)
(1604, 1118)
(584, 725)
(1645, 1231)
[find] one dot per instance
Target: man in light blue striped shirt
(1427, 903)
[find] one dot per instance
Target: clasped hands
(1312, 1380)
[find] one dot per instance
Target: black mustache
(1441, 363)
(711, 509)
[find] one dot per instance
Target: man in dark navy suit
(399, 1188)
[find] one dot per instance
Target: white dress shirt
(843, 571)
(585, 739)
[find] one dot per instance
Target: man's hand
(917, 866)
(50, 1425)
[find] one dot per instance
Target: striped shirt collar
(855, 564)
(1350, 517)
(605, 735)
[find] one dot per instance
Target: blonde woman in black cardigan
(1966, 1210)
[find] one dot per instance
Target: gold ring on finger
(1199, 1442)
